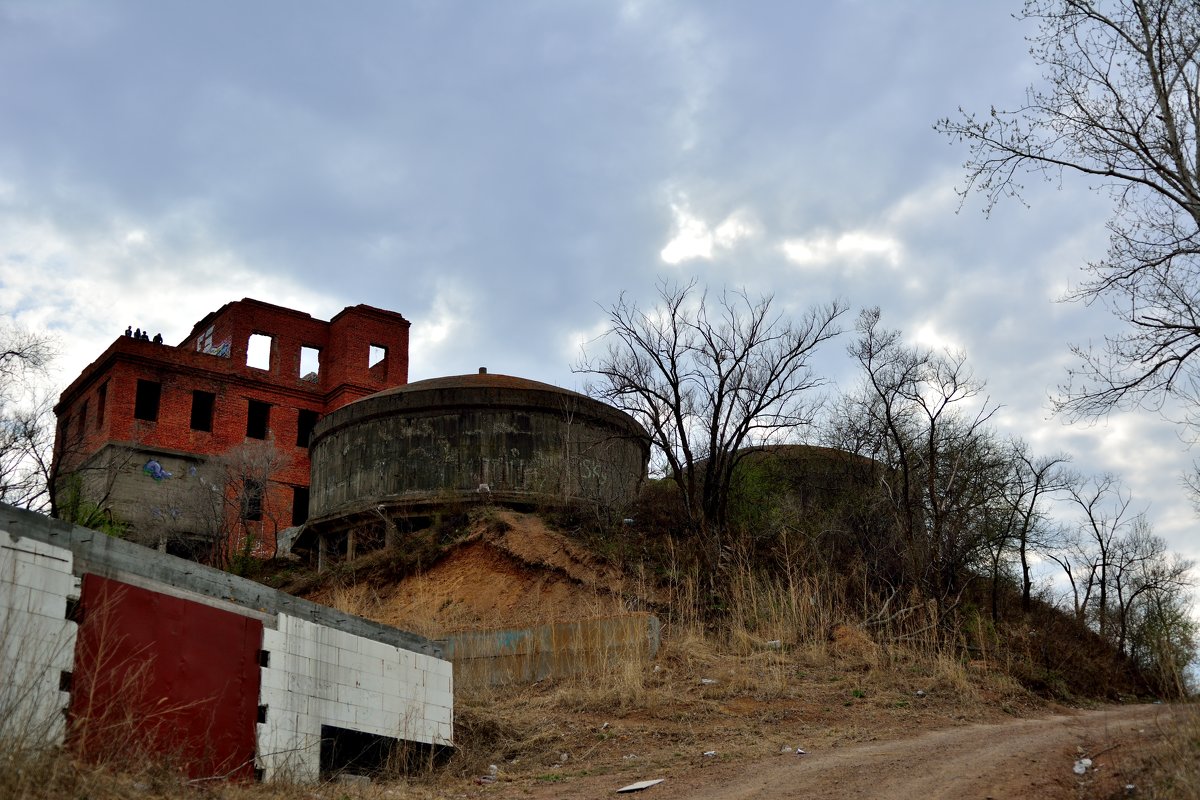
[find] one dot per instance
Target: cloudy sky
(499, 171)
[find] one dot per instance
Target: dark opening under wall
(353, 752)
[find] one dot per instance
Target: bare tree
(1031, 480)
(1121, 104)
(1162, 631)
(1080, 566)
(1141, 566)
(1106, 518)
(249, 515)
(923, 417)
(709, 376)
(26, 418)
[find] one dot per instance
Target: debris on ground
(640, 785)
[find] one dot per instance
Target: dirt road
(1021, 759)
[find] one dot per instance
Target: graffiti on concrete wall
(155, 470)
(174, 513)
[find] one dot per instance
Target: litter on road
(637, 787)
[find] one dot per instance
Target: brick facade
(189, 444)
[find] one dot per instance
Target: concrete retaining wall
(37, 642)
(317, 675)
(489, 658)
(316, 667)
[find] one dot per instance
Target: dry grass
(1166, 765)
(794, 659)
(727, 690)
(709, 692)
(1173, 770)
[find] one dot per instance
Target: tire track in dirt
(1029, 758)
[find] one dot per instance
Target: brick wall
(99, 408)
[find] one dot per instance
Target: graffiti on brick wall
(155, 470)
(205, 344)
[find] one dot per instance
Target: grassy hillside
(796, 636)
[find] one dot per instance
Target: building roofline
(372, 311)
(124, 349)
(454, 393)
(383, 314)
(245, 301)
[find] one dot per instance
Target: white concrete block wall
(37, 642)
(318, 675)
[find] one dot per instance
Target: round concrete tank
(483, 436)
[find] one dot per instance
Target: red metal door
(161, 676)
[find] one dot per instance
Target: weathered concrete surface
(520, 439)
(103, 555)
(489, 658)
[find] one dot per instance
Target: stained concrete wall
(323, 667)
(318, 675)
(37, 641)
(525, 441)
(96, 553)
(175, 503)
(489, 658)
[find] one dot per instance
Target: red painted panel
(160, 675)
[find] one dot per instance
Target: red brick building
(202, 448)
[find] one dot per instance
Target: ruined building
(203, 446)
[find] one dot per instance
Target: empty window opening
(101, 402)
(258, 419)
(377, 356)
(252, 499)
(350, 752)
(258, 351)
(299, 505)
(145, 403)
(264, 658)
(305, 423)
(202, 410)
(310, 364)
(65, 679)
